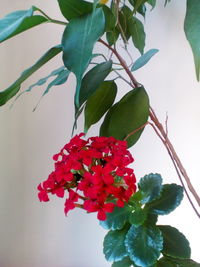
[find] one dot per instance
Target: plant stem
(50, 19)
(159, 129)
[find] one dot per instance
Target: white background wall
(38, 235)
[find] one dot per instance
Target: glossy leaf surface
(138, 217)
(93, 79)
(78, 40)
(113, 246)
(15, 87)
(132, 108)
(117, 218)
(150, 186)
(19, 21)
(74, 8)
(99, 103)
(144, 59)
(135, 29)
(170, 198)
(175, 243)
(192, 28)
(144, 244)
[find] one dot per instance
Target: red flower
(97, 169)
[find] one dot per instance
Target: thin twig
(176, 168)
(123, 63)
(121, 77)
(159, 129)
(135, 131)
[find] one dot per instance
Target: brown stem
(123, 63)
(169, 146)
(175, 166)
(160, 132)
(135, 131)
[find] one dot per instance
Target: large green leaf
(126, 262)
(74, 8)
(170, 198)
(113, 246)
(93, 79)
(134, 108)
(144, 59)
(192, 28)
(175, 243)
(117, 218)
(19, 21)
(150, 186)
(15, 87)
(78, 40)
(144, 244)
(99, 103)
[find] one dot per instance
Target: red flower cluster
(93, 171)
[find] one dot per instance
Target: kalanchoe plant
(93, 173)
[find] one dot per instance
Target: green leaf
(74, 8)
(144, 59)
(134, 108)
(41, 81)
(15, 87)
(152, 3)
(117, 218)
(110, 19)
(138, 216)
(150, 186)
(138, 4)
(135, 29)
(78, 40)
(125, 15)
(126, 262)
(19, 21)
(170, 198)
(144, 244)
(99, 103)
(192, 28)
(112, 36)
(164, 262)
(93, 79)
(151, 219)
(175, 243)
(113, 246)
(174, 262)
(60, 79)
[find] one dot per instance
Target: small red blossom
(95, 173)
